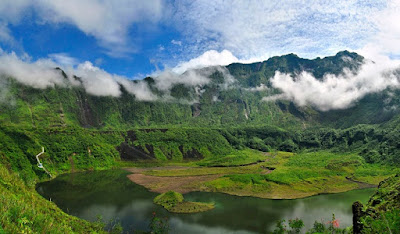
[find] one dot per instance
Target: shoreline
(187, 184)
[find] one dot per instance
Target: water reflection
(111, 195)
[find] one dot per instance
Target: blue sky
(136, 38)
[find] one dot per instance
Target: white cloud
(208, 58)
(336, 92)
(140, 89)
(265, 28)
(38, 74)
(64, 59)
(99, 61)
(387, 39)
(175, 42)
(5, 34)
(97, 81)
(11, 11)
(42, 74)
(213, 58)
(107, 21)
(167, 79)
(7, 38)
(260, 88)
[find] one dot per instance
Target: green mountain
(217, 103)
(208, 122)
(229, 109)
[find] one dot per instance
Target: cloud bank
(43, 74)
(329, 93)
(36, 74)
(336, 92)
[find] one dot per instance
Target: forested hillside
(80, 130)
(227, 116)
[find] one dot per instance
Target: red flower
(335, 223)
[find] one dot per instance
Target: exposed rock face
(196, 109)
(358, 212)
(133, 153)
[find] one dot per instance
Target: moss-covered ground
(279, 175)
(174, 202)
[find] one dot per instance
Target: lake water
(113, 196)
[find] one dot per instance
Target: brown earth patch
(162, 184)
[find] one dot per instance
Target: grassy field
(280, 175)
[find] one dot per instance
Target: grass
(236, 158)
(174, 202)
(22, 210)
(191, 207)
(294, 175)
(374, 173)
(200, 171)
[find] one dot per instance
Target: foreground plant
(159, 225)
(296, 226)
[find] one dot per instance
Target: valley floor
(279, 175)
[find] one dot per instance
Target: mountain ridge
(194, 105)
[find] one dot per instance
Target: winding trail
(40, 165)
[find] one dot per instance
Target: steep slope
(381, 213)
(83, 131)
(231, 96)
(211, 121)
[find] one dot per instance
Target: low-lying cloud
(336, 92)
(329, 93)
(42, 74)
(37, 74)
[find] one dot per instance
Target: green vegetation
(168, 199)
(174, 202)
(66, 150)
(254, 148)
(296, 226)
(284, 175)
(22, 210)
(235, 158)
(381, 213)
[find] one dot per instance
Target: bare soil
(162, 184)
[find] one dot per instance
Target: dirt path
(267, 170)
